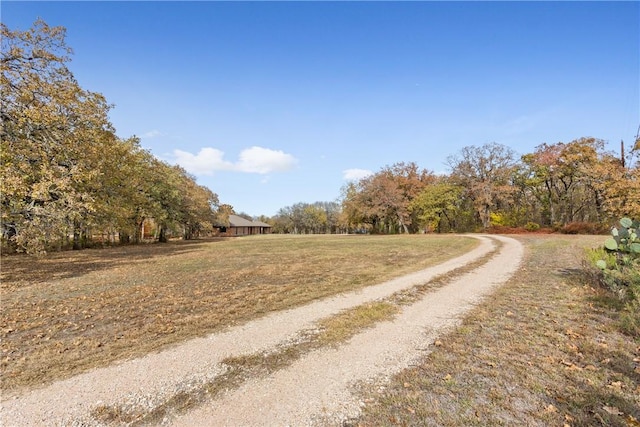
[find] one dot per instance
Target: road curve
(314, 388)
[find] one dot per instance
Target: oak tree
(486, 173)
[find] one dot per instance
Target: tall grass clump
(616, 266)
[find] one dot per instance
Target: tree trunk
(137, 238)
(486, 216)
(163, 235)
(124, 238)
(77, 244)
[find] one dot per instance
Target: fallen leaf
(571, 366)
(632, 421)
(612, 410)
(616, 384)
(572, 334)
(550, 409)
(573, 347)
(447, 377)
(437, 343)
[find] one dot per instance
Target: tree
(65, 174)
(198, 207)
(567, 178)
(620, 186)
(352, 215)
(53, 138)
(222, 217)
(307, 218)
(332, 212)
(382, 200)
(438, 206)
(486, 173)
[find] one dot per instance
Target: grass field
(545, 350)
(73, 311)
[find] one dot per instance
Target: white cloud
(207, 161)
(251, 160)
(356, 174)
(263, 160)
(151, 134)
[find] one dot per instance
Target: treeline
(66, 178)
(309, 218)
(554, 186)
(572, 187)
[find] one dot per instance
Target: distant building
(239, 226)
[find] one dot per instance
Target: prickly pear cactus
(624, 238)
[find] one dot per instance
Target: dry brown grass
(74, 311)
(545, 350)
(330, 331)
(339, 328)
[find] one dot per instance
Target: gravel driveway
(316, 389)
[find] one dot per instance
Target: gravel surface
(315, 389)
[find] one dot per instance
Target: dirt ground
(517, 337)
(140, 385)
(71, 312)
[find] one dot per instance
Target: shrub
(583, 228)
(618, 269)
(532, 226)
(497, 218)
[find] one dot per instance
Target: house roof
(238, 221)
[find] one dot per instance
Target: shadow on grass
(593, 406)
(573, 273)
(20, 268)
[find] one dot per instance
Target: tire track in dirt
(148, 381)
(317, 389)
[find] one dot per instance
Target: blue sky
(274, 103)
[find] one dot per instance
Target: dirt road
(316, 389)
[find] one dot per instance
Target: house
(239, 226)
